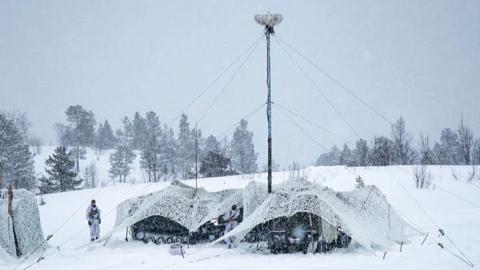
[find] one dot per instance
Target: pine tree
(186, 148)
(104, 139)
(121, 161)
(77, 154)
(214, 161)
(244, 158)
(212, 145)
(80, 132)
(168, 154)
(60, 170)
(16, 160)
(46, 185)
(125, 134)
(150, 158)
(359, 182)
(139, 129)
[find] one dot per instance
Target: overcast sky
(419, 59)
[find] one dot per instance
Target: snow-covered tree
(346, 156)
(403, 153)
(150, 159)
(77, 154)
(168, 154)
(186, 148)
(80, 131)
(139, 130)
(426, 153)
(16, 160)
(382, 151)
(214, 161)
(60, 171)
(465, 141)
(244, 158)
(446, 152)
(121, 161)
(476, 152)
(23, 124)
(125, 134)
(359, 182)
(360, 154)
(90, 175)
(46, 185)
(329, 159)
(104, 138)
(211, 144)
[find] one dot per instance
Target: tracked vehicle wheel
(263, 237)
(139, 235)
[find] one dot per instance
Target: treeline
(455, 147)
(163, 155)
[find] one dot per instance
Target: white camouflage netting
(178, 203)
(364, 214)
(26, 221)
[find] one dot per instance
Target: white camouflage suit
(93, 218)
(231, 217)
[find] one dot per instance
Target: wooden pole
(10, 213)
(196, 158)
(10, 200)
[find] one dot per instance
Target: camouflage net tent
(177, 203)
(364, 214)
(25, 225)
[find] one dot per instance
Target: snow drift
(25, 224)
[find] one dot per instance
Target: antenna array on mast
(268, 19)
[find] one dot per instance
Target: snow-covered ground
(64, 217)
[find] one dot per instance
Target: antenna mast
(269, 21)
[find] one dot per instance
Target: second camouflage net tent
(364, 214)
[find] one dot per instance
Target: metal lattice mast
(269, 21)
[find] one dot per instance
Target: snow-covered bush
(423, 177)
